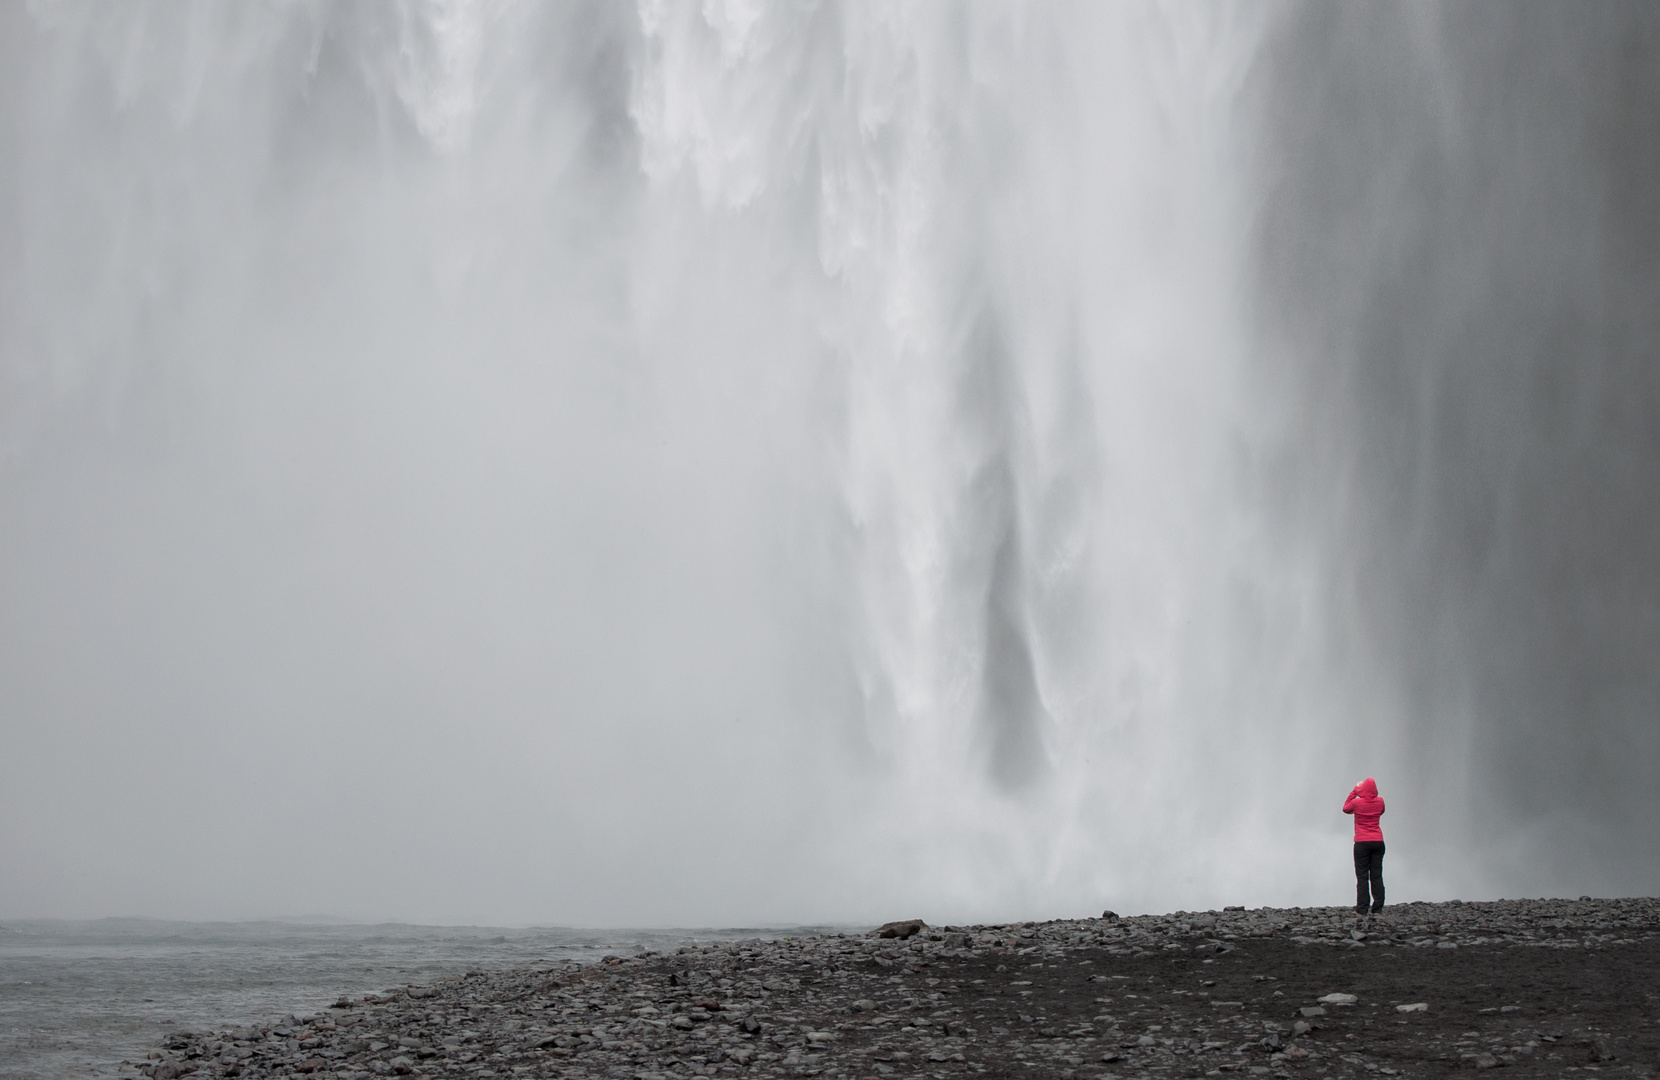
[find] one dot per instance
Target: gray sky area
(701, 464)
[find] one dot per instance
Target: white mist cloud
(697, 465)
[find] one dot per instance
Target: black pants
(1368, 869)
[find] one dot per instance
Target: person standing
(1363, 802)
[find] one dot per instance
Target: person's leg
(1363, 861)
(1376, 874)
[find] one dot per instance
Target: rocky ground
(1530, 987)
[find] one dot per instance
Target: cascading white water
(709, 464)
(705, 462)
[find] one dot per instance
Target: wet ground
(78, 997)
(1528, 1010)
(1529, 987)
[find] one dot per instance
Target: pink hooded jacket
(1364, 804)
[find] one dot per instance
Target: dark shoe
(1360, 911)
(1377, 910)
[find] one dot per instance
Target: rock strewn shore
(1534, 987)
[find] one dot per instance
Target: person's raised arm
(1349, 803)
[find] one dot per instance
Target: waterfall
(719, 462)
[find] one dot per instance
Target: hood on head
(1369, 788)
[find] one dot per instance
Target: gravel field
(1533, 987)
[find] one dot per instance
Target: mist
(667, 465)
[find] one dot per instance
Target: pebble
(861, 1005)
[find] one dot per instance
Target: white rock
(1416, 1006)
